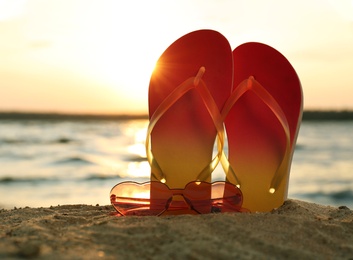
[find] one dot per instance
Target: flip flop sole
(182, 140)
(256, 138)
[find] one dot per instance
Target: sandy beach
(297, 230)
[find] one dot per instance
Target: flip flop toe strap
(211, 106)
(253, 85)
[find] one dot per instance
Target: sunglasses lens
(226, 197)
(216, 197)
(131, 198)
(199, 196)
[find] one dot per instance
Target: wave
(61, 140)
(99, 177)
(300, 147)
(37, 180)
(9, 180)
(134, 158)
(340, 195)
(73, 160)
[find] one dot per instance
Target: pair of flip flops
(202, 91)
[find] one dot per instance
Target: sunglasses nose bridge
(179, 193)
(178, 202)
(176, 192)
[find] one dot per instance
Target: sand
(297, 230)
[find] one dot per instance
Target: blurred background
(95, 58)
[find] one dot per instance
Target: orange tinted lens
(160, 194)
(131, 198)
(216, 197)
(199, 196)
(226, 197)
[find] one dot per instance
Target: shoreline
(308, 115)
(296, 230)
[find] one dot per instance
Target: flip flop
(262, 119)
(189, 86)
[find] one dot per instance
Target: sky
(97, 56)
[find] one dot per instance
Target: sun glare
(344, 8)
(98, 56)
(11, 8)
(138, 170)
(126, 71)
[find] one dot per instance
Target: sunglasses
(155, 198)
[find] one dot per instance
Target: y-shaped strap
(267, 98)
(189, 84)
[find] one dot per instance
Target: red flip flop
(189, 86)
(262, 119)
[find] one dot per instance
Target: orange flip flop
(262, 119)
(189, 86)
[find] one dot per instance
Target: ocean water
(46, 162)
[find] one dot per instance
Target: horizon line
(308, 114)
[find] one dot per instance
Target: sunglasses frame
(218, 204)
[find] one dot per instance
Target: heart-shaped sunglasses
(154, 198)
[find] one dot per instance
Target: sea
(56, 160)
